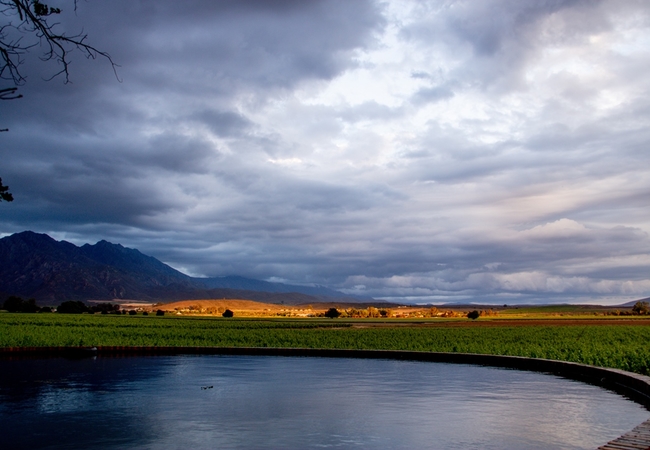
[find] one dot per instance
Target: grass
(564, 310)
(618, 346)
(546, 309)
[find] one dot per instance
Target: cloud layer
(423, 151)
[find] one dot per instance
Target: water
(210, 402)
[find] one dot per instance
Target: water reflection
(60, 403)
(274, 402)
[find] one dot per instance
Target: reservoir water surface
(210, 402)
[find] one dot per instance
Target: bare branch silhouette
(30, 18)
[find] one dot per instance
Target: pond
(211, 401)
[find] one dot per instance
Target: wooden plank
(637, 439)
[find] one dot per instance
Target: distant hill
(633, 302)
(34, 265)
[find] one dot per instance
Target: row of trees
(357, 313)
(18, 304)
(72, 307)
(334, 313)
(372, 312)
(76, 307)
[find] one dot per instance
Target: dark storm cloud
(232, 45)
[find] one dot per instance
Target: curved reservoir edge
(634, 386)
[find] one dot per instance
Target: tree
(228, 313)
(641, 308)
(332, 313)
(72, 307)
(17, 304)
(473, 315)
(373, 312)
(105, 308)
(25, 26)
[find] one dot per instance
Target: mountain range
(34, 265)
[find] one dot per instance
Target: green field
(618, 346)
(561, 310)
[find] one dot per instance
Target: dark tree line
(17, 304)
(77, 307)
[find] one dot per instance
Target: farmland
(611, 343)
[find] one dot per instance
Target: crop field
(623, 346)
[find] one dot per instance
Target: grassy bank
(618, 346)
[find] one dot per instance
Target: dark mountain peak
(20, 244)
(130, 259)
(104, 251)
(31, 238)
(29, 233)
(105, 243)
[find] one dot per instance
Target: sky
(493, 151)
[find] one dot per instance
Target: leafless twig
(27, 18)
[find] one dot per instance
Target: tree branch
(33, 20)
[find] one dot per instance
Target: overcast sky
(443, 151)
